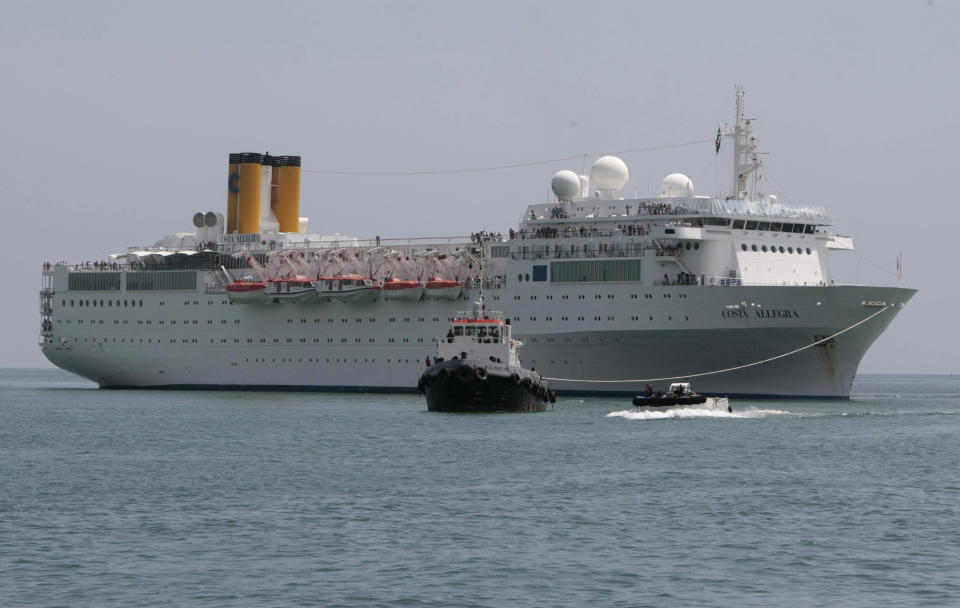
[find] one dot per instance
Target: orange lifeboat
(348, 288)
(398, 289)
(443, 289)
(247, 292)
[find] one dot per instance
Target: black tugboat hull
(668, 400)
(452, 387)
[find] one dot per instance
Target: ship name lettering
(776, 313)
(737, 313)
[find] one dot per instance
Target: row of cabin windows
(103, 303)
(774, 249)
(241, 340)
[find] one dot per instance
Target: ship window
(787, 228)
(737, 224)
(798, 228)
(520, 277)
(781, 248)
(540, 273)
(688, 245)
(526, 277)
(809, 252)
(810, 229)
(751, 225)
(764, 248)
(471, 330)
(754, 247)
(763, 226)
(458, 330)
(696, 245)
(789, 249)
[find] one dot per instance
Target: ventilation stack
(286, 206)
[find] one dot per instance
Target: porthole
(781, 248)
(754, 247)
(809, 252)
(689, 245)
(520, 277)
(764, 248)
(696, 245)
(526, 277)
(789, 249)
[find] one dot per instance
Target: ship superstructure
(600, 288)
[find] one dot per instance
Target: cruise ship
(608, 293)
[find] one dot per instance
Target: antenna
(900, 269)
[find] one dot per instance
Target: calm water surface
(121, 498)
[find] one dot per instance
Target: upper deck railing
(632, 209)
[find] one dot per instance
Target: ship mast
(746, 161)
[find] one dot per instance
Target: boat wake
(695, 413)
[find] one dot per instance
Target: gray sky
(116, 121)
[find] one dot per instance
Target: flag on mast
(716, 144)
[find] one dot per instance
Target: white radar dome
(566, 185)
(609, 175)
(676, 184)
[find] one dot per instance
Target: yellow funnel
(287, 206)
(248, 216)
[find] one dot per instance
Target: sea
(187, 498)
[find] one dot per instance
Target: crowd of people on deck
(684, 278)
(485, 237)
(87, 265)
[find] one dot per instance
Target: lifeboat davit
(247, 292)
(442, 289)
(348, 288)
(397, 289)
(291, 291)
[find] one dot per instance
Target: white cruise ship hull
(204, 342)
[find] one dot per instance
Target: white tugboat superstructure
(600, 288)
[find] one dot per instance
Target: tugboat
(680, 394)
(477, 369)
